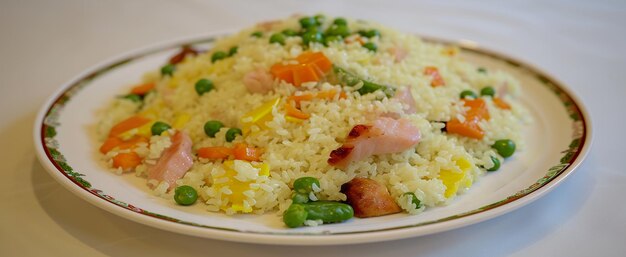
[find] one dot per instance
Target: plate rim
(71, 180)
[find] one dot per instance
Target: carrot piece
(142, 89)
(318, 59)
(128, 124)
(109, 144)
(468, 128)
(304, 73)
(113, 142)
(126, 161)
(292, 111)
(501, 104)
(436, 79)
(330, 94)
(283, 72)
(246, 153)
(215, 152)
(299, 98)
(478, 108)
(133, 142)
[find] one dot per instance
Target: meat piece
(369, 198)
(385, 135)
(268, 25)
(258, 81)
(184, 52)
(399, 53)
(174, 162)
(405, 97)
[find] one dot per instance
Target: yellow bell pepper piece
(181, 120)
(258, 116)
(452, 180)
(293, 119)
(236, 198)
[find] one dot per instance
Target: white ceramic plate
(556, 143)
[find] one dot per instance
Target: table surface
(44, 43)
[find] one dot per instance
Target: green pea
(257, 34)
(504, 147)
(307, 22)
(133, 97)
(212, 127)
(159, 127)
(232, 133)
(185, 195)
(304, 185)
(496, 164)
(369, 33)
(312, 37)
(168, 70)
(295, 215)
(482, 70)
(300, 198)
(233, 50)
(203, 86)
(218, 56)
(338, 30)
(488, 91)
(290, 32)
(328, 212)
(469, 93)
(370, 46)
(414, 200)
(340, 21)
(329, 39)
(277, 38)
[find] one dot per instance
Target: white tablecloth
(44, 43)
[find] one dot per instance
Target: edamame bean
(304, 185)
(295, 215)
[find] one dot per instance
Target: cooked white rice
(293, 150)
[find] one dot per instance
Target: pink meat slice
(385, 135)
(405, 97)
(258, 81)
(399, 53)
(174, 162)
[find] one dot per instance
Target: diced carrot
(330, 94)
(318, 59)
(436, 79)
(215, 152)
(133, 142)
(109, 144)
(501, 104)
(292, 111)
(304, 73)
(478, 108)
(128, 124)
(126, 161)
(142, 89)
(246, 153)
(113, 142)
(468, 128)
(299, 98)
(283, 72)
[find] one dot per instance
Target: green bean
(414, 199)
(304, 185)
(133, 97)
(329, 212)
(300, 198)
(352, 80)
(295, 215)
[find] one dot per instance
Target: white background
(582, 43)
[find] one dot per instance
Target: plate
(557, 142)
